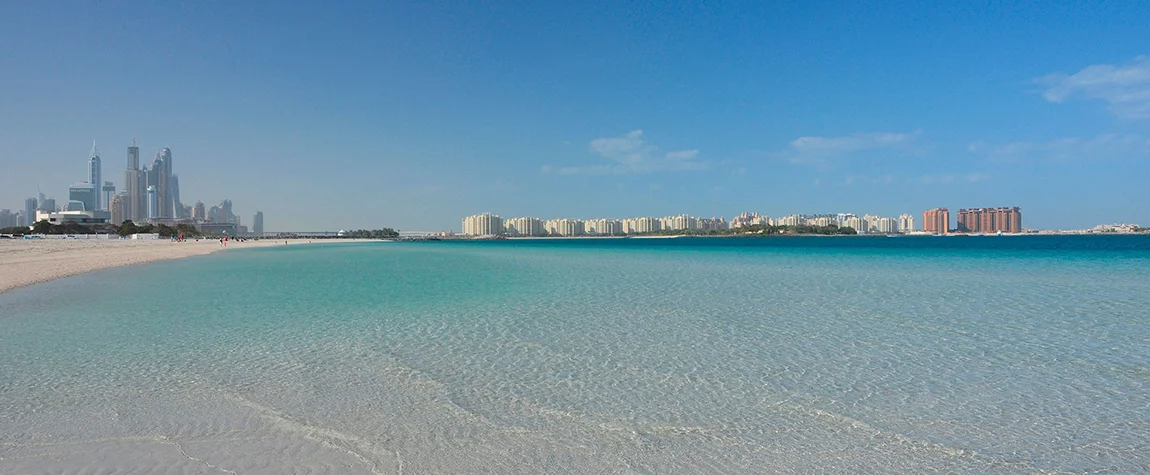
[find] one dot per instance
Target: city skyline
(149, 194)
(409, 116)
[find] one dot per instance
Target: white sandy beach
(27, 262)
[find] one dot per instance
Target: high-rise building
(860, 225)
(226, 215)
(83, 193)
(94, 178)
(936, 220)
(135, 184)
(524, 227)
(990, 220)
(29, 211)
(564, 227)
(117, 207)
(46, 204)
(160, 177)
(258, 223)
(198, 212)
(905, 223)
(886, 226)
(133, 156)
(641, 225)
(485, 224)
(7, 219)
(153, 202)
(177, 206)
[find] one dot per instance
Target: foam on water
(726, 356)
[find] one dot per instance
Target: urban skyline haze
(363, 115)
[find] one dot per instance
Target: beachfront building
(905, 223)
(990, 220)
(936, 220)
(153, 203)
(81, 217)
(750, 219)
(792, 220)
(822, 221)
(713, 224)
(199, 213)
(681, 222)
(524, 227)
(886, 226)
(603, 227)
(641, 225)
(858, 224)
(564, 227)
(258, 223)
(485, 224)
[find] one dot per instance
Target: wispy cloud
(1125, 88)
(631, 154)
(820, 151)
(1102, 147)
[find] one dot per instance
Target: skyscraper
(936, 220)
(905, 223)
(117, 207)
(29, 211)
(153, 202)
(135, 184)
(258, 223)
(177, 206)
(94, 178)
(226, 215)
(198, 212)
(160, 177)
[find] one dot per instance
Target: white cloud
(1102, 147)
(1125, 88)
(630, 154)
(819, 151)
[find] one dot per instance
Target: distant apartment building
(885, 226)
(936, 220)
(792, 220)
(603, 227)
(681, 222)
(750, 219)
(564, 227)
(485, 224)
(524, 227)
(905, 223)
(990, 220)
(641, 225)
(858, 224)
(258, 223)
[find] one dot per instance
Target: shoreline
(29, 262)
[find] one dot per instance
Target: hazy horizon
(365, 115)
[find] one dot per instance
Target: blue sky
(372, 114)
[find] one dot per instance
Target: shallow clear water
(829, 355)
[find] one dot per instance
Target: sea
(965, 354)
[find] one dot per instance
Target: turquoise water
(829, 355)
